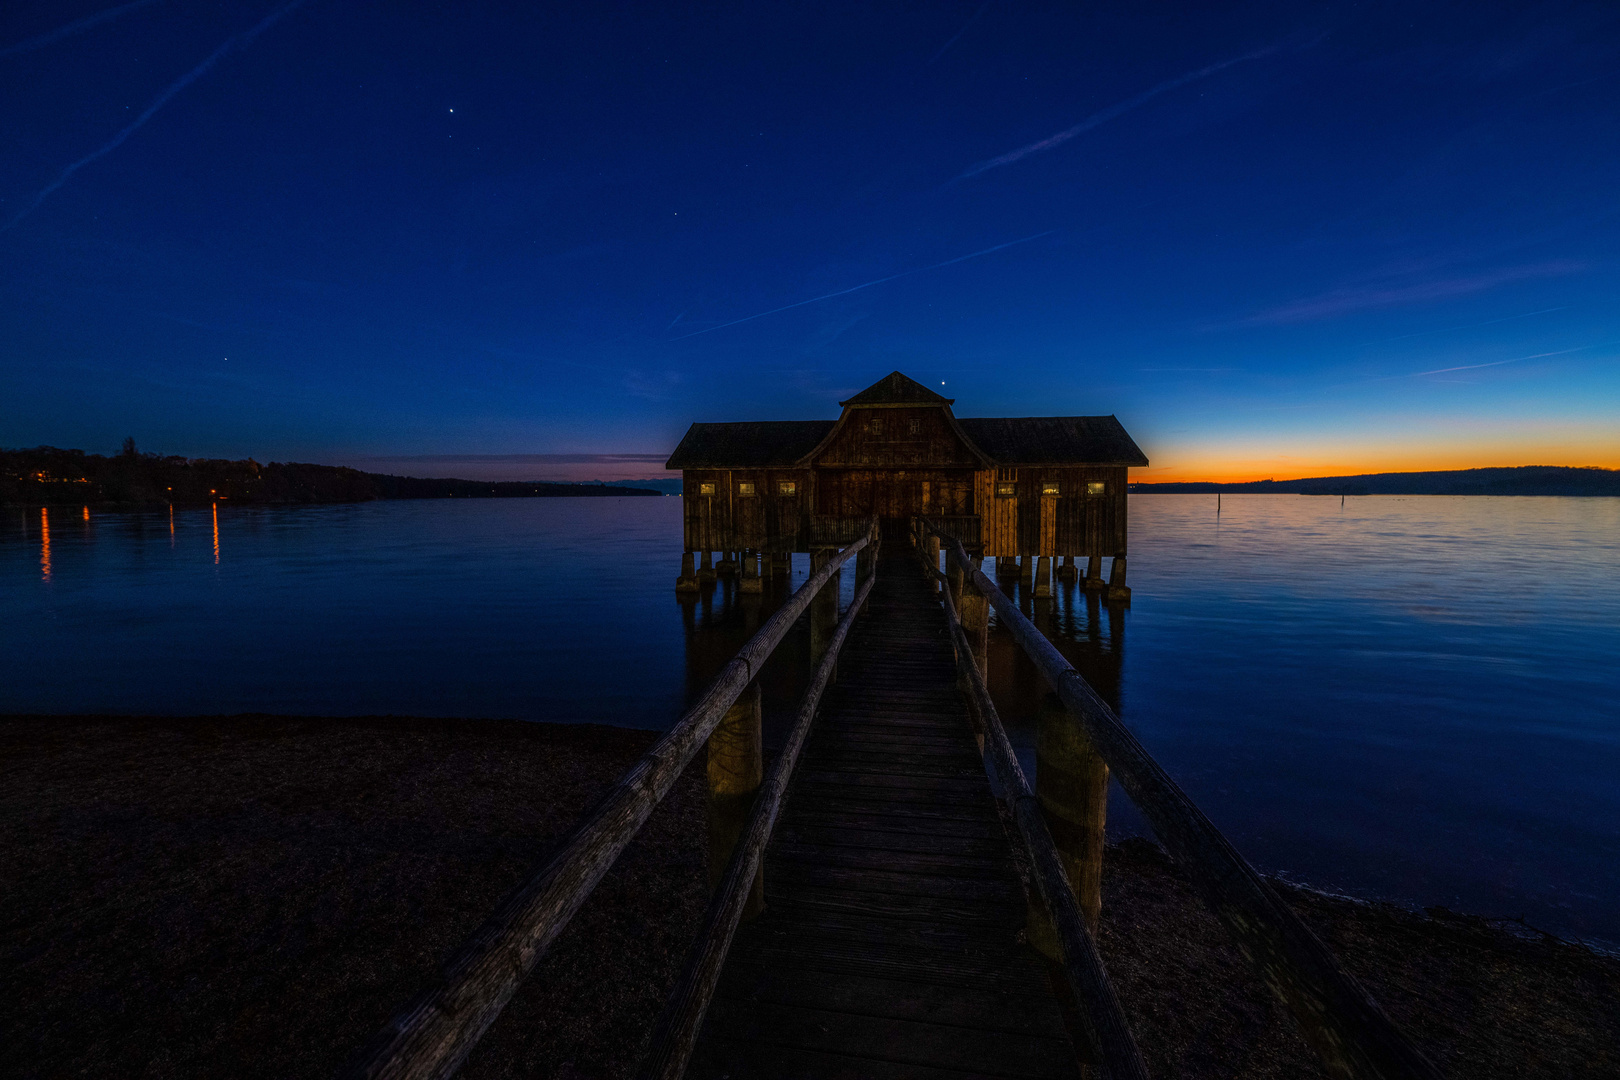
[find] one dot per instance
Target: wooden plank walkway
(889, 947)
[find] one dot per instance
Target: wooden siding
(895, 473)
(1068, 523)
(896, 438)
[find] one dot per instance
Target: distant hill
(1523, 480)
(48, 475)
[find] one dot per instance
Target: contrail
(1112, 112)
(868, 285)
(945, 48)
(72, 28)
(1499, 363)
(232, 44)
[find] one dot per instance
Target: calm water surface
(1411, 698)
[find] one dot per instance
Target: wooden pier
(926, 911)
(890, 944)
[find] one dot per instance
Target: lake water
(1408, 698)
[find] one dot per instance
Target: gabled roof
(1028, 440)
(757, 444)
(1053, 440)
(896, 389)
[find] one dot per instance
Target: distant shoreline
(47, 476)
(1523, 480)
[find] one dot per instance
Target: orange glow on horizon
(1234, 461)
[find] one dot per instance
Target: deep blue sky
(375, 229)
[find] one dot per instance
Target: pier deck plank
(890, 945)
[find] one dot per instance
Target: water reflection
(216, 533)
(719, 618)
(1411, 698)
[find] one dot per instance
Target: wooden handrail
(1096, 1002)
(436, 1032)
(1337, 1016)
(676, 1032)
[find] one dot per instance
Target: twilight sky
(1275, 239)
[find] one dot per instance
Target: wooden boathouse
(892, 895)
(1037, 487)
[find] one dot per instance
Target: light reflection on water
(1402, 697)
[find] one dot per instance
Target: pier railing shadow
(433, 1035)
(1339, 1019)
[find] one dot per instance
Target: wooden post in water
(1118, 591)
(688, 581)
(727, 564)
(736, 768)
(1043, 576)
(824, 608)
(1071, 783)
(1094, 578)
(974, 611)
(1027, 573)
(1067, 571)
(750, 582)
(706, 567)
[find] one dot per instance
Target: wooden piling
(750, 582)
(1043, 576)
(1094, 578)
(705, 570)
(736, 767)
(1118, 591)
(1068, 570)
(1071, 783)
(687, 582)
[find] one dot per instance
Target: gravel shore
(254, 896)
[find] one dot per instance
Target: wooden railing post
(1071, 783)
(1340, 1020)
(736, 766)
(435, 1032)
(974, 611)
(824, 608)
(676, 1031)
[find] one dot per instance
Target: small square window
(1006, 491)
(745, 487)
(875, 427)
(1096, 487)
(1051, 487)
(705, 489)
(916, 427)
(787, 487)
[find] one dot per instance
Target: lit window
(1096, 487)
(1006, 491)
(705, 489)
(916, 427)
(875, 427)
(1050, 487)
(787, 487)
(745, 487)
